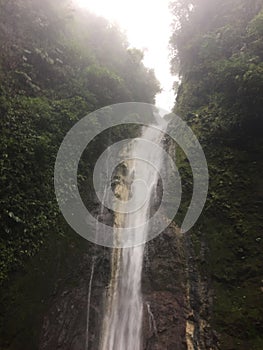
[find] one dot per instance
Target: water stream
(88, 302)
(122, 323)
(152, 323)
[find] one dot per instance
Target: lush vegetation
(56, 65)
(218, 47)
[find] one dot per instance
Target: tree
(218, 45)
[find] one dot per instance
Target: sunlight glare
(147, 25)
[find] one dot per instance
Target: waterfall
(88, 302)
(152, 323)
(122, 323)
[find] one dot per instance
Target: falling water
(88, 302)
(152, 323)
(122, 324)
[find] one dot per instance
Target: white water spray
(124, 309)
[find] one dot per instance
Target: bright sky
(147, 25)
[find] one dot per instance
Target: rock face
(74, 315)
(64, 325)
(176, 302)
(164, 290)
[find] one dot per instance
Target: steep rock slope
(218, 46)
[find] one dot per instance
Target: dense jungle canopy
(58, 63)
(218, 49)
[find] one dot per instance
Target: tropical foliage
(57, 64)
(218, 47)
